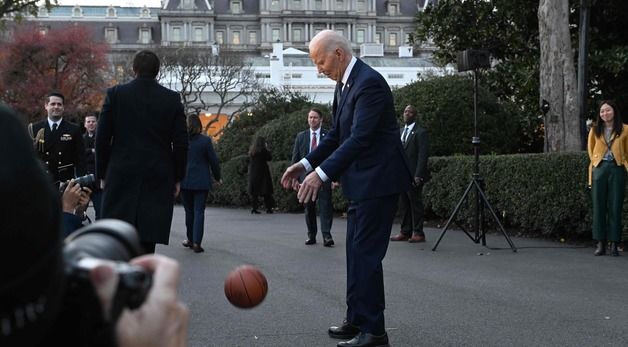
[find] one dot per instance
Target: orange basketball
(246, 286)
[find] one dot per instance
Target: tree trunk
(558, 78)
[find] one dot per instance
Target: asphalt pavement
(462, 294)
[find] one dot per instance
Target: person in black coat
(416, 143)
(260, 183)
(89, 138)
(197, 183)
(58, 142)
(141, 151)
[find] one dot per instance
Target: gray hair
(331, 40)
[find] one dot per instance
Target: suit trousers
(324, 208)
(411, 211)
(369, 223)
(607, 190)
(194, 204)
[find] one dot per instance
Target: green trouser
(607, 190)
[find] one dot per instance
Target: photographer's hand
(83, 201)
(71, 196)
(162, 320)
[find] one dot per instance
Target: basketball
(246, 286)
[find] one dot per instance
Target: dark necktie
(314, 144)
(404, 137)
(54, 128)
(337, 95)
(338, 91)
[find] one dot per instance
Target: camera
(107, 240)
(84, 181)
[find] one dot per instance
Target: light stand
(476, 185)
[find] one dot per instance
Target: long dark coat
(260, 182)
(141, 149)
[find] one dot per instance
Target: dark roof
(200, 5)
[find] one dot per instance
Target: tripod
(477, 185)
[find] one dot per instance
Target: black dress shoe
(614, 251)
(366, 340)
(254, 211)
(344, 331)
(310, 241)
(328, 242)
(187, 243)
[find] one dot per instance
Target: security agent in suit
(416, 143)
(141, 152)
(364, 152)
(89, 138)
(59, 143)
(305, 142)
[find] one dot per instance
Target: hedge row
(534, 194)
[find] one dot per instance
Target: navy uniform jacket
(63, 154)
(141, 151)
(363, 149)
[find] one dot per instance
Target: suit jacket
(597, 147)
(63, 153)
(302, 147)
(90, 154)
(417, 151)
(141, 151)
(363, 149)
(202, 164)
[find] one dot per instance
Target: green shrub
(445, 108)
(536, 194)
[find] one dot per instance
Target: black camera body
(83, 181)
(105, 241)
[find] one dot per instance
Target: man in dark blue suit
(141, 152)
(362, 150)
(305, 142)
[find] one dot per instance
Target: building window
(176, 34)
(111, 35)
(275, 35)
(395, 76)
(318, 5)
(378, 37)
(296, 5)
(359, 36)
(76, 12)
(296, 35)
(262, 75)
(340, 5)
(252, 37)
(111, 12)
(392, 39)
(236, 7)
(145, 13)
(361, 6)
(43, 12)
(187, 3)
(341, 32)
(408, 39)
(220, 37)
(235, 38)
(145, 35)
(393, 9)
(198, 34)
(274, 5)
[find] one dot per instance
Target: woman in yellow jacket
(608, 152)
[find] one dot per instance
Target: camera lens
(109, 239)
